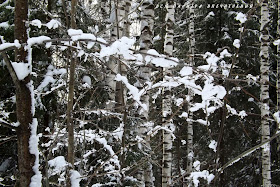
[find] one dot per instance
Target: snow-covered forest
(147, 93)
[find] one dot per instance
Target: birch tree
(145, 173)
(118, 17)
(191, 62)
(121, 29)
(166, 102)
(264, 93)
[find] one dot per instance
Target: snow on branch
(22, 69)
(155, 130)
(92, 136)
(37, 40)
(201, 174)
(53, 24)
(7, 46)
(241, 17)
(159, 60)
(133, 91)
(120, 47)
(49, 78)
(246, 153)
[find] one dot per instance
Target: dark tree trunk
(23, 100)
(70, 122)
(24, 117)
(21, 12)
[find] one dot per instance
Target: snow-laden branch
(116, 47)
(246, 153)
(133, 91)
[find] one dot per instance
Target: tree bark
(278, 60)
(278, 72)
(264, 94)
(118, 32)
(24, 116)
(116, 96)
(166, 102)
(191, 63)
(69, 120)
(23, 100)
(145, 172)
(121, 29)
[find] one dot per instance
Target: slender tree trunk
(119, 31)
(166, 102)
(23, 100)
(191, 61)
(65, 13)
(146, 43)
(116, 99)
(190, 93)
(278, 73)
(69, 121)
(145, 173)
(70, 124)
(24, 116)
(71, 93)
(278, 60)
(264, 94)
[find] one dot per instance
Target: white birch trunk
(191, 63)
(116, 98)
(145, 173)
(121, 29)
(166, 102)
(264, 94)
